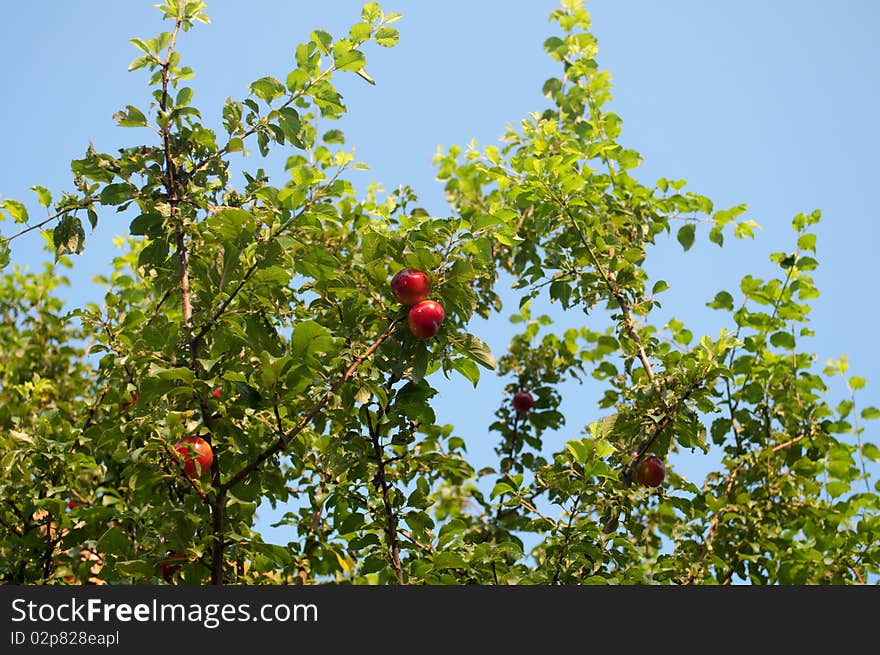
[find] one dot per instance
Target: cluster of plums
(411, 287)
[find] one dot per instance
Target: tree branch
(285, 439)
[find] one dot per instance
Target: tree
(279, 297)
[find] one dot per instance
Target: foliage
(259, 318)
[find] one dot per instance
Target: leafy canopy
(258, 317)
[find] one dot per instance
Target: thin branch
(218, 313)
(155, 313)
(706, 546)
(12, 528)
(535, 510)
(282, 442)
(382, 481)
(49, 219)
(566, 539)
(253, 130)
(428, 548)
(192, 483)
(788, 443)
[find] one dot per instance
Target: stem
(171, 187)
(382, 479)
(567, 537)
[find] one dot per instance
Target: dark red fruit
(523, 401)
(425, 318)
(172, 563)
(195, 450)
(134, 399)
(650, 471)
(410, 286)
(216, 392)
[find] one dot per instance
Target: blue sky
(769, 103)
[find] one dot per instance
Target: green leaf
(353, 60)
(723, 300)
(291, 125)
(782, 340)
(134, 568)
(837, 488)
(683, 336)
(420, 363)
(323, 40)
(360, 32)
(43, 195)
(183, 96)
(249, 394)
(68, 237)
(501, 488)
(310, 338)
(267, 88)
(327, 99)
(16, 209)
(131, 117)
(371, 12)
(807, 242)
(140, 62)
(871, 451)
(870, 413)
(604, 448)
(468, 369)
(629, 159)
(560, 291)
(420, 522)
(179, 373)
(659, 287)
(116, 194)
(365, 76)
(474, 348)
(387, 37)
(4, 254)
(449, 560)
(113, 541)
(333, 136)
(686, 235)
(579, 451)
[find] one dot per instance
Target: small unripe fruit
(425, 318)
(196, 454)
(650, 471)
(410, 286)
(523, 401)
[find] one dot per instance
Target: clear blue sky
(771, 103)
